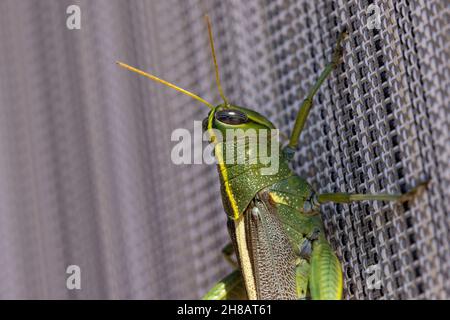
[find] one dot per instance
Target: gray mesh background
(85, 171)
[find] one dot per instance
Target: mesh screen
(85, 170)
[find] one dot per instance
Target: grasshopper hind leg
(307, 104)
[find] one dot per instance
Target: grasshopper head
(229, 117)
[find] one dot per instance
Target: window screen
(85, 171)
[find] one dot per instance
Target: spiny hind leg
(352, 197)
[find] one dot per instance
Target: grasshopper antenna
(216, 67)
(166, 83)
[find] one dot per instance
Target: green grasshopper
(274, 220)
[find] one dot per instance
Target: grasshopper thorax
(247, 149)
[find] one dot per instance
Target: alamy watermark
(373, 281)
(373, 17)
(73, 281)
(73, 21)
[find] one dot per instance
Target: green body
(274, 222)
(273, 219)
(280, 218)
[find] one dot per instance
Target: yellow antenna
(211, 41)
(170, 85)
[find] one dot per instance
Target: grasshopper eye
(233, 117)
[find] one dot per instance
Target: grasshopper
(274, 221)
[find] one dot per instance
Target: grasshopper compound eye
(233, 117)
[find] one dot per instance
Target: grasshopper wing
(265, 255)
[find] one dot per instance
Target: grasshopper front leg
(307, 104)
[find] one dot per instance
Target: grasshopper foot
(414, 191)
(339, 51)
